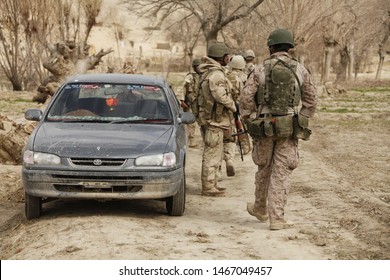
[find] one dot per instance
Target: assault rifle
(240, 130)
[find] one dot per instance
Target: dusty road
(339, 203)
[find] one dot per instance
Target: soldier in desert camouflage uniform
(189, 100)
(237, 85)
(249, 56)
(238, 78)
(216, 107)
(276, 157)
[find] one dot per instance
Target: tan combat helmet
(249, 54)
(237, 62)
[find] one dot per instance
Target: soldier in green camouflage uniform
(190, 95)
(276, 157)
(216, 107)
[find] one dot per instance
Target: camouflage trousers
(276, 159)
(229, 151)
(212, 156)
(228, 154)
(190, 129)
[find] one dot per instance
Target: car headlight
(168, 159)
(30, 157)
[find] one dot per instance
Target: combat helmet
(217, 49)
(196, 62)
(237, 62)
(280, 36)
(249, 54)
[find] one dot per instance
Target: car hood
(102, 140)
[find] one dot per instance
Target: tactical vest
(280, 91)
(206, 102)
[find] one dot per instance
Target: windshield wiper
(144, 121)
(81, 120)
(128, 121)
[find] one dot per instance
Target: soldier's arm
(218, 90)
(247, 98)
(188, 80)
(187, 89)
(309, 94)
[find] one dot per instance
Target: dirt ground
(339, 202)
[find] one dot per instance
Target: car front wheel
(33, 206)
(176, 204)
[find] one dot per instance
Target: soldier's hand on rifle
(183, 105)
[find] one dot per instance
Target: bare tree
(29, 27)
(212, 16)
(71, 55)
(384, 45)
(301, 17)
(188, 34)
(14, 58)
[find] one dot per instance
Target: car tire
(176, 204)
(33, 206)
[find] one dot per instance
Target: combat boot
(280, 224)
(230, 168)
(262, 217)
(213, 192)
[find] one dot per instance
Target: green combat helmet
(196, 62)
(280, 36)
(217, 49)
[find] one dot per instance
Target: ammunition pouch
(279, 127)
(301, 127)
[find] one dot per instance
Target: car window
(110, 103)
(173, 99)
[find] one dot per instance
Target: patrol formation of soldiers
(275, 100)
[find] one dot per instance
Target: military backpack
(280, 91)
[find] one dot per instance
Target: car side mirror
(33, 115)
(187, 118)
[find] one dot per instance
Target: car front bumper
(102, 185)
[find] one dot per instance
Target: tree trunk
(211, 37)
(343, 65)
(13, 137)
(16, 85)
(351, 65)
(329, 50)
(380, 64)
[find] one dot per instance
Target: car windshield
(111, 103)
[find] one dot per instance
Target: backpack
(206, 102)
(280, 91)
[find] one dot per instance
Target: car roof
(118, 78)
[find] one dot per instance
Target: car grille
(137, 179)
(111, 189)
(98, 184)
(97, 162)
